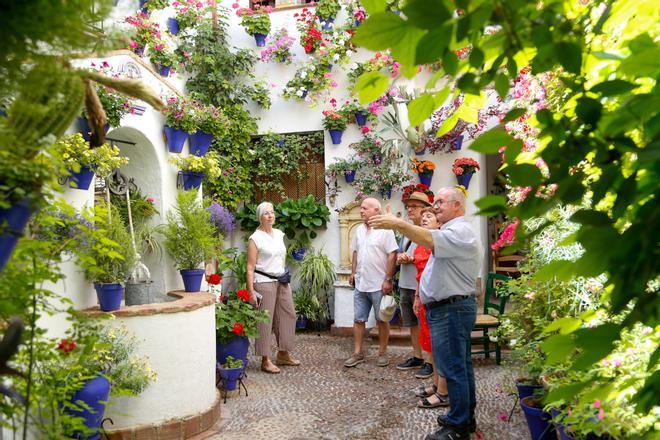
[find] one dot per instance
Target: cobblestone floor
(324, 400)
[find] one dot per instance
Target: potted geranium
(279, 48)
(310, 34)
(464, 168)
(189, 12)
(211, 122)
(352, 109)
(424, 169)
(162, 58)
(256, 22)
(82, 161)
(235, 321)
(327, 10)
(194, 168)
(190, 238)
(180, 121)
(146, 32)
(335, 122)
(347, 167)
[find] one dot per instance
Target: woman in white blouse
(266, 257)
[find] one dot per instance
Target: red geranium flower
(66, 345)
(238, 328)
(243, 294)
(214, 279)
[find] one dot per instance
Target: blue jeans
(450, 326)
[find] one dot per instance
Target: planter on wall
(173, 25)
(335, 135)
(386, 194)
(82, 179)
(260, 39)
(457, 143)
(164, 71)
(191, 179)
(109, 296)
(12, 223)
(420, 152)
(464, 179)
(192, 279)
(326, 23)
(426, 178)
(175, 139)
(349, 176)
(361, 118)
(199, 142)
(86, 130)
(298, 254)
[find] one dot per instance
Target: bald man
(448, 290)
(372, 272)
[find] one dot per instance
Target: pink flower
(158, 47)
(151, 200)
(234, 5)
(601, 415)
(365, 130)
(596, 403)
(503, 416)
(333, 83)
(133, 44)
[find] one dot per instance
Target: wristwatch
(389, 279)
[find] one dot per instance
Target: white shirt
(373, 247)
(453, 268)
(271, 254)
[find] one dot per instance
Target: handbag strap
(272, 277)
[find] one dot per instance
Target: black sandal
(423, 391)
(442, 401)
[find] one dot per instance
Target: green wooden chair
(494, 303)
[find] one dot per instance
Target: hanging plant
(311, 36)
(279, 48)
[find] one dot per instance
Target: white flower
(299, 93)
(349, 53)
(336, 57)
(303, 74)
(354, 66)
(312, 68)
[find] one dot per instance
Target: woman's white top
(271, 254)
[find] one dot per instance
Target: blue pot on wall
(335, 135)
(109, 296)
(191, 179)
(12, 223)
(237, 348)
(82, 179)
(175, 138)
(86, 130)
(164, 71)
(173, 25)
(426, 179)
(298, 254)
(457, 143)
(91, 399)
(538, 421)
(361, 118)
(260, 39)
(420, 152)
(200, 141)
(192, 279)
(326, 23)
(464, 179)
(349, 176)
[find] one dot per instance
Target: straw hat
(419, 196)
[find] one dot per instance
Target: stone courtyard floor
(322, 399)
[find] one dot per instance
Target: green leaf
(441, 96)
(512, 151)
(566, 325)
(523, 174)
(446, 126)
(480, 16)
(404, 49)
(502, 85)
(374, 6)
(596, 343)
(419, 109)
(491, 205)
(566, 392)
(607, 56)
(560, 269)
(613, 87)
(426, 14)
(380, 30)
(476, 57)
(514, 114)
(491, 141)
(569, 55)
(589, 110)
(558, 347)
(433, 44)
(641, 64)
(371, 86)
(591, 217)
(450, 62)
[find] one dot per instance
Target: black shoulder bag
(285, 278)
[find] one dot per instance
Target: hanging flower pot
(192, 279)
(326, 23)
(464, 179)
(138, 50)
(538, 421)
(237, 348)
(280, 142)
(425, 178)
(298, 254)
(200, 141)
(420, 152)
(457, 143)
(164, 71)
(304, 94)
(361, 118)
(109, 296)
(301, 322)
(260, 39)
(82, 179)
(86, 130)
(335, 135)
(386, 193)
(91, 399)
(349, 176)
(12, 223)
(143, 8)
(230, 377)
(173, 25)
(191, 179)
(175, 139)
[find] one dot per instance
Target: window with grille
(281, 4)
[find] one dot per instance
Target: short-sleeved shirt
(271, 254)
(408, 272)
(373, 247)
(453, 268)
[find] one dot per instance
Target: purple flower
(222, 218)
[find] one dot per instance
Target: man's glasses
(440, 202)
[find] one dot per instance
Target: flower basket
(15, 218)
(191, 179)
(326, 23)
(260, 39)
(82, 179)
(192, 279)
(173, 25)
(109, 296)
(386, 194)
(464, 180)
(420, 152)
(349, 176)
(175, 138)
(86, 130)
(463, 168)
(426, 178)
(91, 399)
(335, 135)
(361, 118)
(163, 70)
(200, 141)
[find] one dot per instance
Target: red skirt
(424, 334)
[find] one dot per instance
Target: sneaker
(382, 360)
(471, 426)
(352, 361)
(410, 363)
(447, 432)
(425, 372)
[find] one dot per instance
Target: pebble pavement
(322, 399)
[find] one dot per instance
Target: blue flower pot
(199, 143)
(86, 130)
(326, 23)
(192, 279)
(304, 95)
(237, 348)
(91, 399)
(173, 25)
(361, 118)
(142, 7)
(457, 143)
(426, 179)
(230, 376)
(420, 152)
(538, 421)
(109, 296)
(358, 22)
(164, 71)
(386, 194)
(527, 390)
(301, 322)
(175, 139)
(260, 39)
(191, 179)
(280, 142)
(12, 223)
(561, 429)
(335, 135)
(464, 179)
(82, 179)
(349, 176)
(139, 51)
(298, 254)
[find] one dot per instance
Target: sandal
(426, 391)
(439, 400)
(270, 368)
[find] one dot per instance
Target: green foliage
(208, 164)
(253, 22)
(114, 104)
(316, 275)
(341, 166)
(181, 114)
(306, 303)
(75, 152)
(327, 8)
(230, 363)
(237, 317)
(190, 237)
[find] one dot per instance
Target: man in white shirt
(374, 260)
